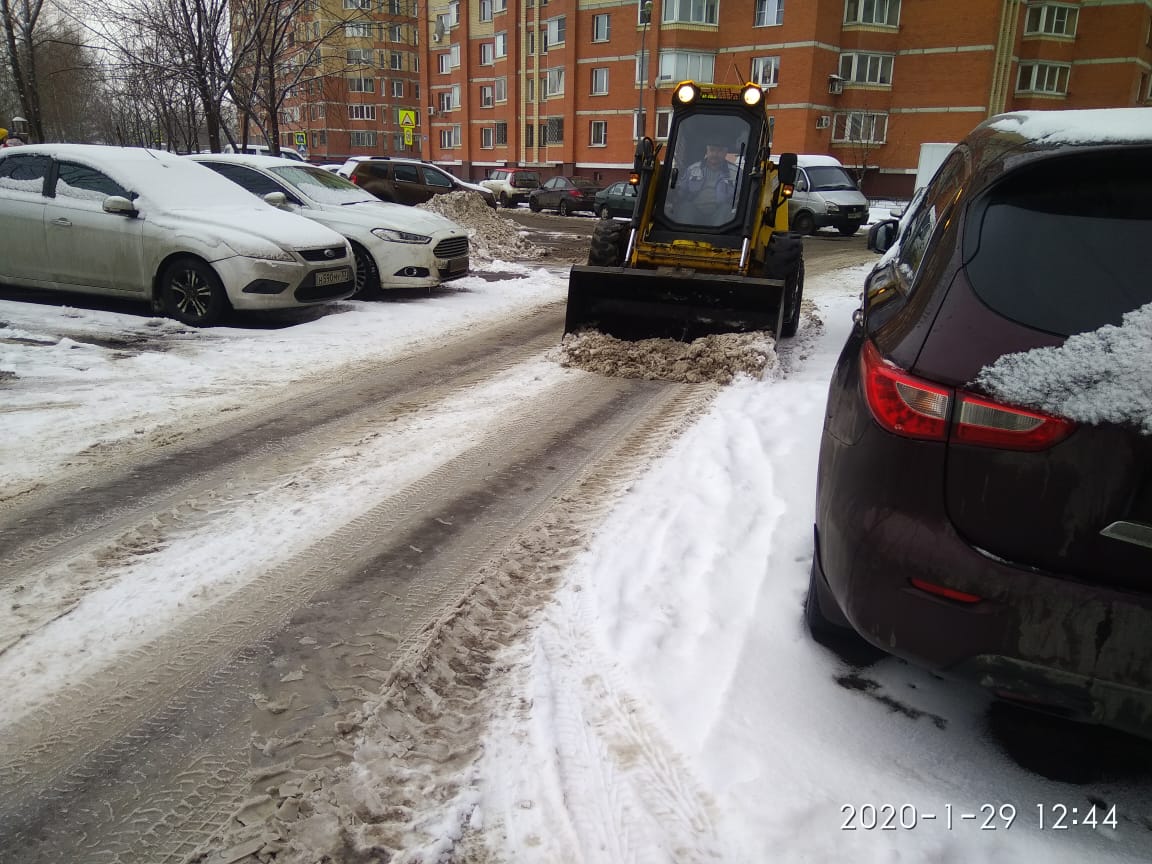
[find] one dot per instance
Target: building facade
(566, 85)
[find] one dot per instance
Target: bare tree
(20, 19)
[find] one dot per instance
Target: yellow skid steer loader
(708, 249)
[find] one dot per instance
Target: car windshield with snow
(984, 502)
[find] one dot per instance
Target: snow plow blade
(634, 304)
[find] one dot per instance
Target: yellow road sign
(301, 139)
(407, 136)
(407, 118)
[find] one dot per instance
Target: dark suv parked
(958, 524)
(409, 181)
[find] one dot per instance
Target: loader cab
(703, 191)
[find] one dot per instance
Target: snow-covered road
(660, 701)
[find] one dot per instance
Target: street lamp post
(645, 18)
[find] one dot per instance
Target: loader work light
(687, 93)
(752, 95)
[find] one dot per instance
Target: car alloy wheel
(605, 213)
(367, 274)
(563, 208)
(190, 292)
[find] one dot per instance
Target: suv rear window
(1062, 246)
(525, 180)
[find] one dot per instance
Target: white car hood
(399, 217)
(262, 222)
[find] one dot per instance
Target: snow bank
(492, 237)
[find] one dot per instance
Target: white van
(262, 150)
(826, 195)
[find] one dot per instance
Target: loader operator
(709, 189)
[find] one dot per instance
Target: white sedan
(136, 223)
(395, 246)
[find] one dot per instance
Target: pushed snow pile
(719, 358)
(492, 237)
(1100, 377)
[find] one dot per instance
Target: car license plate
(332, 277)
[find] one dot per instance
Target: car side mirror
(276, 199)
(882, 235)
(120, 204)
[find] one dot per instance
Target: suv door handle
(62, 222)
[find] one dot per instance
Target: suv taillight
(915, 408)
(901, 403)
(355, 179)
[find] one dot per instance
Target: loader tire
(793, 295)
(785, 260)
(609, 239)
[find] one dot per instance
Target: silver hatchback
(135, 223)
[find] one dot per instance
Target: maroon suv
(960, 529)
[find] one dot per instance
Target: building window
(443, 23)
(530, 89)
(600, 27)
(530, 43)
(639, 123)
(1051, 20)
(663, 123)
(396, 61)
(501, 89)
(766, 71)
(357, 4)
(499, 5)
(486, 12)
(690, 11)
(600, 81)
(686, 65)
(487, 138)
(363, 139)
(552, 84)
(454, 53)
(502, 134)
(454, 14)
(769, 13)
(445, 63)
(450, 137)
(398, 89)
(487, 97)
(501, 44)
(885, 12)
(358, 31)
(317, 112)
(642, 68)
(554, 30)
(528, 136)
(361, 112)
(359, 56)
(552, 131)
(396, 32)
(361, 85)
(444, 101)
(1042, 78)
(858, 127)
(320, 138)
(487, 53)
(599, 137)
(866, 68)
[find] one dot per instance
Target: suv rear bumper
(1082, 651)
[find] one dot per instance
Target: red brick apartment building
(560, 84)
